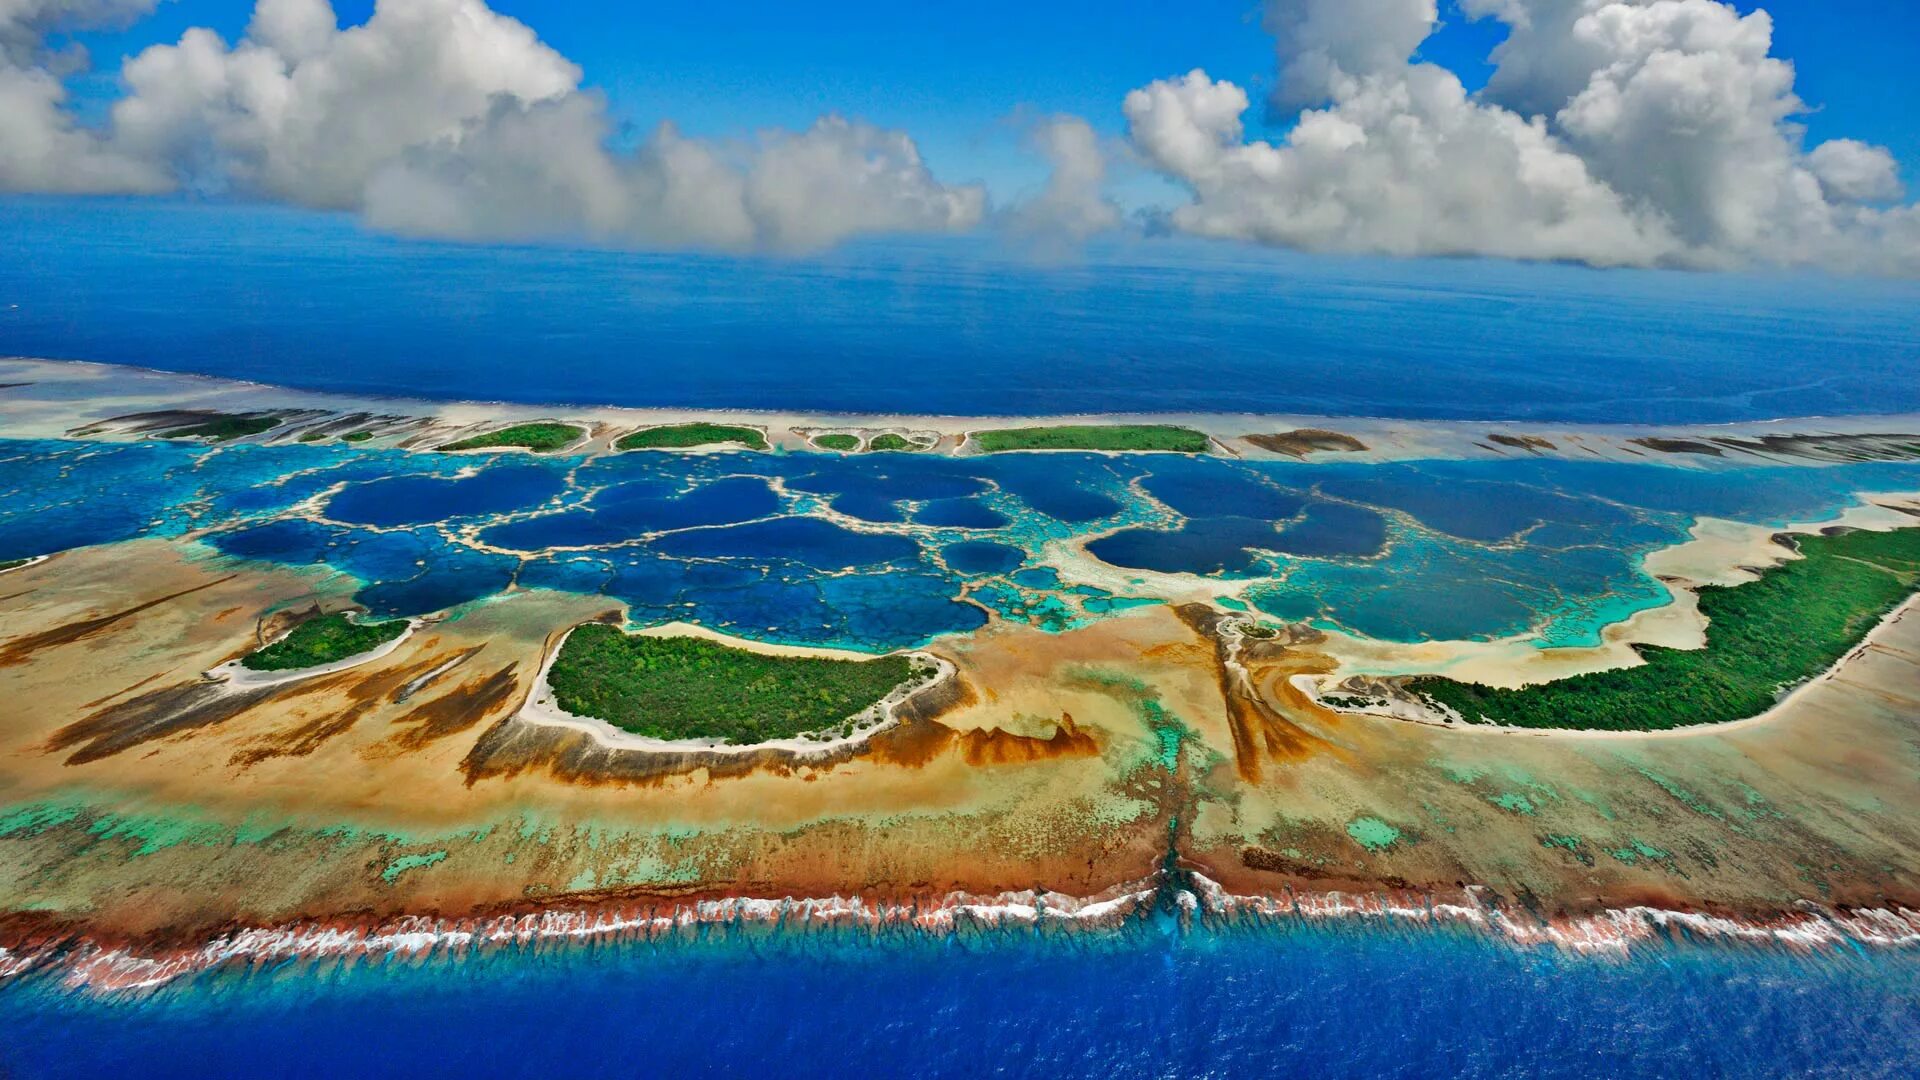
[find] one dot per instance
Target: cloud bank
(444, 118)
(1612, 132)
(42, 148)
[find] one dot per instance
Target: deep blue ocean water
(1147, 1002)
(951, 327)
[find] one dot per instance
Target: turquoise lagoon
(886, 551)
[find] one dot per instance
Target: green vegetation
(842, 443)
(1795, 622)
(1160, 438)
(887, 442)
(352, 437)
(323, 641)
(12, 564)
(225, 428)
(684, 436)
(542, 437)
(690, 688)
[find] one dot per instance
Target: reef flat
(1128, 660)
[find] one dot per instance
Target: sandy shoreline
(1312, 686)
(1717, 553)
(62, 396)
(235, 673)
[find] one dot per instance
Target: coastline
(1311, 685)
(150, 828)
(1197, 902)
(46, 405)
(1718, 553)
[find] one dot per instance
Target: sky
(955, 76)
(1000, 114)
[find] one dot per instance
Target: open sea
(312, 301)
(1151, 1001)
(941, 327)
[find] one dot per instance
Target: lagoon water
(887, 551)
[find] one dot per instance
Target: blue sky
(952, 74)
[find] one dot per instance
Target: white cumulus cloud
(443, 118)
(41, 147)
(1650, 132)
(1073, 205)
(543, 169)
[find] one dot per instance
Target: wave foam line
(87, 965)
(1615, 931)
(90, 966)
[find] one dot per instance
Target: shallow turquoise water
(886, 551)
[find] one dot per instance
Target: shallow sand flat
(355, 793)
(59, 397)
(1819, 804)
(225, 820)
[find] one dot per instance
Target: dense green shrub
(1795, 622)
(685, 436)
(691, 688)
(541, 438)
(225, 428)
(1160, 438)
(323, 641)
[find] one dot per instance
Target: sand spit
(1718, 553)
(86, 965)
(61, 399)
(235, 673)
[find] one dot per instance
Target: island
(691, 435)
(1795, 622)
(327, 639)
(1573, 694)
(891, 442)
(690, 688)
(837, 441)
(1112, 438)
(226, 428)
(542, 438)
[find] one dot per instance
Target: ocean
(1148, 1001)
(941, 327)
(310, 300)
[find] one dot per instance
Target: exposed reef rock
(1824, 448)
(153, 715)
(1531, 443)
(1679, 446)
(22, 649)
(1252, 670)
(1303, 441)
